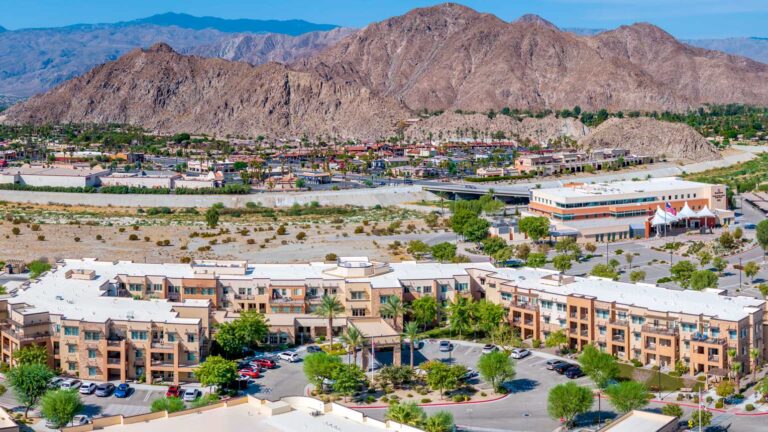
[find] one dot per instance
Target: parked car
(264, 363)
(105, 389)
(519, 353)
(249, 372)
(80, 420)
(191, 395)
(562, 367)
(56, 382)
(71, 384)
(489, 348)
(551, 363)
(750, 226)
(87, 388)
(446, 346)
(173, 391)
(288, 356)
(574, 372)
(313, 349)
(471, 373)
(122, 390)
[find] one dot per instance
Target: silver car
(519, 353)
(87, 388)
(71, 384)
(191, 395)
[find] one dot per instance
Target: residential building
(496, 172)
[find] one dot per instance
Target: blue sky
(683, 18)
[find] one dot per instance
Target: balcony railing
(526, 306)
(114, 343)
(714, 358)
(162, 345)
(650, 346)
(667, 331)
(113, 361)
(618, 338)
(619, 322)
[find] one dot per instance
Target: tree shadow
(590, 418)
(91, 410)
(520, 385)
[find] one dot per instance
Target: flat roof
(247, 417)
(708, 303)
(84, 299)
(54, 171)
(656, 185)
(641, 421)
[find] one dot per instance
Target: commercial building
(142, 179)
(53, 175)
(643, 421)
(569, 162)
(123, 319)
(624, 209)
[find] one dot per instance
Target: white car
(191, 395)
(80, 420)
(87, 388)
(56, 382)
(487, 349)
(71, 384)
(288, 356)
(519, 353)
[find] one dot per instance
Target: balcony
(526, 306)
(706, 340)
(162, 345)
(286, 300)
(528, 322)
(713, 358)
(114, 344)
(357, 298)
(619, 322)
(650, 346)
(666, 331)
(113, 361)
(245, 297)
(618, 338)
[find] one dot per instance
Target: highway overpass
(511, 194)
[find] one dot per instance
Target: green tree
(672, 410)
(496, 368)
(424, 310)
(476, 229)
(347, 378)
(444, 251)
(460, 315)
(329, 308)
(411, 332)
(556, 339)
(60, 406)
(628, 257)
(751, 269)
(31, 354)
(441, 421)
(417, 248)
(396, 376)
(320, 366)
(536, 260)
(171, 405)
(216, 371)
(704, 258)
(488, 315)
(354, 340)
(703, 279)
(493, 245)
(393, 308)
(441, 376)
(30, 383)
(407, 413)
(700, 417)
(522, 251)
(568, 246)
(212, 217)
(566, 401)
(719, 264)
(38, 267)
(460, 217)
(535, 227)
(761, 235)
(604, 271)
(245, 331)
(562, 263)
(599, 366)
(682, 272)
(628, 395)
(637, 276)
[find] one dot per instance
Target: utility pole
(740, 269)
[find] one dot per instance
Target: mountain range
(288, 27)
(444, 58)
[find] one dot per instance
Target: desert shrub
(40, 237)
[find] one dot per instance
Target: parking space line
(146, 398)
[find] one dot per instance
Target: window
(461, 286)
(190, 357)
(157, 287)
(714, 331)
(92, 335)
(358, 312)
(506, 296)
(71, 331)
(357, 295)
(72, 366)
(621, 315)
(297, 292)
(601, 329)
(71, 348)
(546, 304)
(91, 354)
(637, 335)
(261, 290)
(732, 334)
(138, 335)
(636, 319)
(139, 353)
(135, 287)
(601, 313)
(191, 337)
(743, 332)
(92, 371)
(561, 307)
(171, 337)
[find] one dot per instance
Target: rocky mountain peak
(535, 19)
(160, 47)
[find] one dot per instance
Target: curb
(436, 404)
(718, 410)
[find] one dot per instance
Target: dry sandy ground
(76, 232)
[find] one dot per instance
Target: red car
(249, 372)
(264, 363)
(173, 391)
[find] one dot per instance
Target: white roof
(686, 212)
(662, 185)
(708, 303)
(705, 212)
(82, 299)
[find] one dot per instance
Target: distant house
(142, 179)
(496, 172)
(315, 178)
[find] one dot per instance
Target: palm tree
(354, 340)
(629, 257)
(329, 308)
(407, 413)
(392, 308)
(460, 315)
(754, 355)
(441, 421)
(411, 332)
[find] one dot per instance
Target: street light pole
(740, 269)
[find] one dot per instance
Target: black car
(551, 364)
(313, 349)
(574, 372)
(562, 367)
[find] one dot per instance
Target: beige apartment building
(122, 320)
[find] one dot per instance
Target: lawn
(651, 378)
